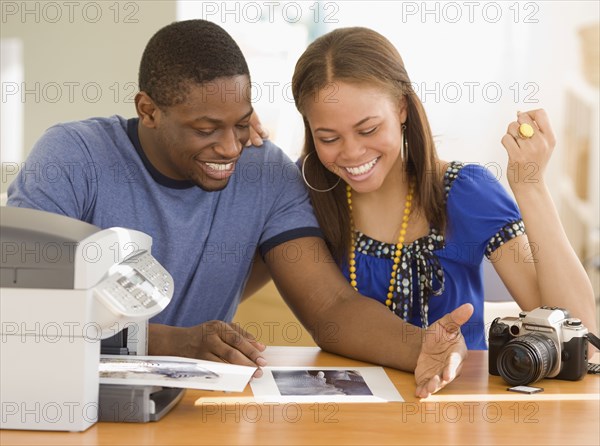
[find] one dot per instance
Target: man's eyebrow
(219, 121)
(359, 123)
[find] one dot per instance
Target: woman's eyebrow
(359, 123)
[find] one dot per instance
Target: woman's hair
(362, 56)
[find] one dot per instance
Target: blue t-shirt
(96, 171)
(438, 273)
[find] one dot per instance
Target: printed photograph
(320, 382)
(173, 371)
(144, 369)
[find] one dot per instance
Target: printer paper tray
(136, 404)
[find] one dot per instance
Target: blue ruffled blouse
(437, 273)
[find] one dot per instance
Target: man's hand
(257, 132)
(442, 353)
(211, 341)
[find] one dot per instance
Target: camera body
(543, 343)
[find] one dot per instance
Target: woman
(407, 228)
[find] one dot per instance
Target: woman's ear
(403, 109)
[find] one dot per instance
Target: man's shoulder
(90, 138)
(267, 163)
(267, 174)
(90, 127)
(268, 152)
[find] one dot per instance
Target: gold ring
(525, 131)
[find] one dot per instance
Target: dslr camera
(542, 343)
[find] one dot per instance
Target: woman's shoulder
(475, 189)
(448, 172)
(458, 174)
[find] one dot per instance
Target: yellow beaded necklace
(399, 245)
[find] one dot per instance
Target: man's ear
(147, 110)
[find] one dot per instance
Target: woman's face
(357, 133)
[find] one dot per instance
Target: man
(179, 172)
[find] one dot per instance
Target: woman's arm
(541, 268)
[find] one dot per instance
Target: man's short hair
(187, 53)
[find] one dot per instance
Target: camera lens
(527, 359)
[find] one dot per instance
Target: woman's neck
(392, 190)
(379, 213)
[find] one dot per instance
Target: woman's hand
(528, 156)
(257, 132)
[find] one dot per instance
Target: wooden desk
(474, 409)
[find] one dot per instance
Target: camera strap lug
(595, 341)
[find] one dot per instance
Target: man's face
(201, 139)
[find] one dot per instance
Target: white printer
(65, 285)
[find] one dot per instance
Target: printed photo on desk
(172, 371)
(324, 384)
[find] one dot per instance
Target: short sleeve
(56, 176)
(291, 215)
(481, 214)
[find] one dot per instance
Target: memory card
(525, 389)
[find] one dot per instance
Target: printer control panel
(136, 286)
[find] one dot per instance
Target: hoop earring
(306, 181)
(404, 142)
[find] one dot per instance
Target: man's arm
(340, 319)
(346, 323)
(259, 277)
(211, 341)
(214, 340)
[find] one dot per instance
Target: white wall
(475, 63)
(80, 59)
